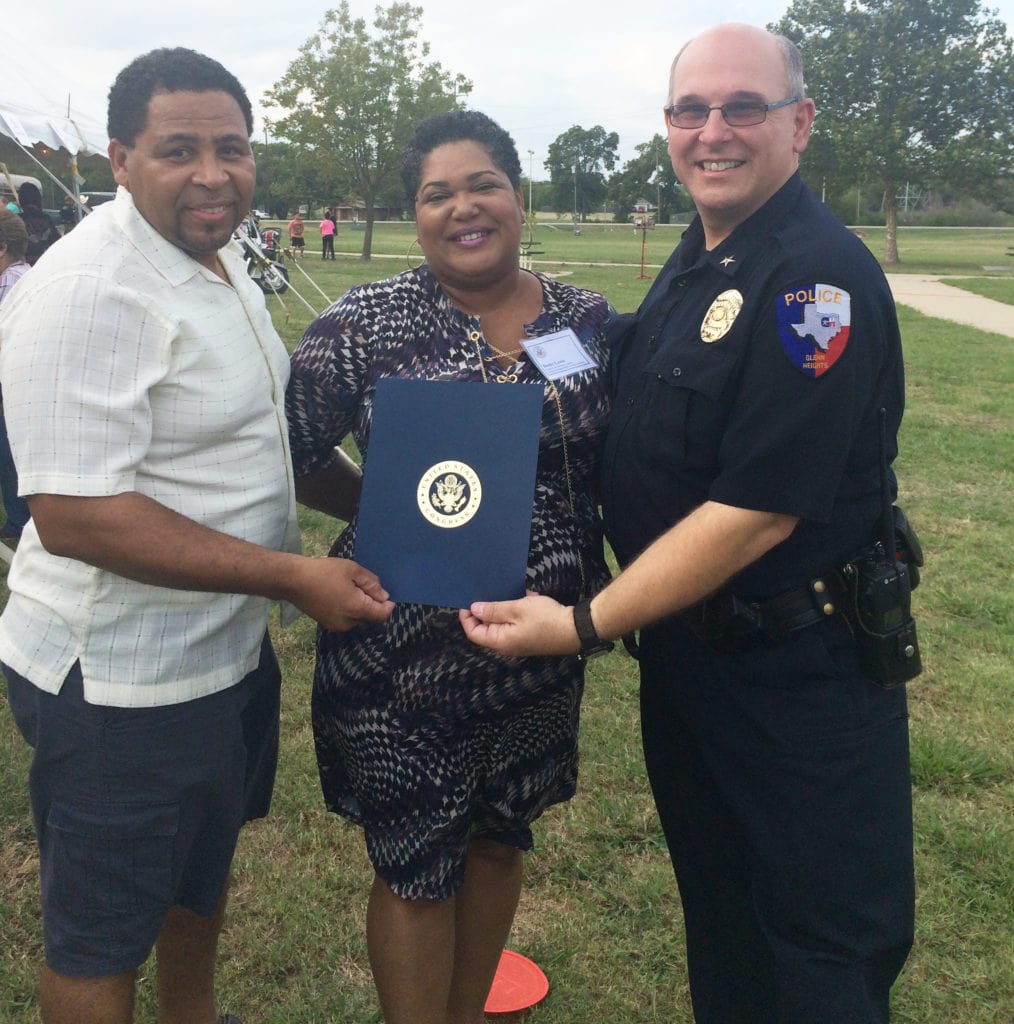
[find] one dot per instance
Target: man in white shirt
(145, 400)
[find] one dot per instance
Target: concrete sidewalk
(932, 296)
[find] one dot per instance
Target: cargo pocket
(110, 859)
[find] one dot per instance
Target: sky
(538, 67)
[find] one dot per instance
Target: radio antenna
(886, 501)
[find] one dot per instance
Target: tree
(577, 162)
(289, 176)
(907, 90)
(648, 176)
(353, 100)
(542, 194)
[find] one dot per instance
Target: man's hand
(339, 594)
(533, 625)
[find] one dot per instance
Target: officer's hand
(339, 593)
(533, 625)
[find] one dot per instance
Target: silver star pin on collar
(727, 261)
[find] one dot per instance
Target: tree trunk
(368, 232)
(891, 223)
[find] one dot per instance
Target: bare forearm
(134, 536)
(686, 564)
(691, 560)
(137, 538)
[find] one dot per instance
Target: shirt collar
(168, 259)
(748, 238)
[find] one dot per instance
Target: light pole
(267, 181)
(658, 184)
(575, 197)
(531, 172)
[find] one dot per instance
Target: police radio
(880, 584)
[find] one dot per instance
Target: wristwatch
(591, 643)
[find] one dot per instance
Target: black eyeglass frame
(761, 108)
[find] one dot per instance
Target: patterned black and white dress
(423, 738)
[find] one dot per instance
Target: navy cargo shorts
(139, 809)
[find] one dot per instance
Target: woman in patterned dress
(441, 751)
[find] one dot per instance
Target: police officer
(742, 470)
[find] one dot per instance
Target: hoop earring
(408, 256)
(530, 240)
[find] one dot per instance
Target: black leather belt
(728, 622)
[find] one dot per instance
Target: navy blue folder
(446, 510)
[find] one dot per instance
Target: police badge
(721, 315)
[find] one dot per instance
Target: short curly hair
(13, 234)
(457, 126)
(29, 196)
(175, 69)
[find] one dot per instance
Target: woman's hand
(533, 625)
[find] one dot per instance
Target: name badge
(558, 355)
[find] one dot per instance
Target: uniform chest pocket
(684, 411)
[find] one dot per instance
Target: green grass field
(922, 250)
(600, 911)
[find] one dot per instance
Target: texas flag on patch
(813, 326)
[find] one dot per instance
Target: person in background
(270, 238)
(42, 232)
(145, 385)
(297, 243)
(13, 243)
(68, 214)
(445, 754)
(741, 484)
(328, 228)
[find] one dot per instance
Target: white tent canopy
(76, 136)
(29, 127)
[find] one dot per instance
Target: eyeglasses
(736, 113)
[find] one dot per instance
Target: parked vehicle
(93, 199)
(11, 183)
(264, 263)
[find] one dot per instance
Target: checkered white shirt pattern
(127, 366)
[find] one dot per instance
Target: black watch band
(591, 642)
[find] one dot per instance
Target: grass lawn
(998, 288)
(600, 912)
(921, 250)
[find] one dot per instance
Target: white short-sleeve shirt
(127, 366)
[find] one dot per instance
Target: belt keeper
(742, 610)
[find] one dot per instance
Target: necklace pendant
(507, 378)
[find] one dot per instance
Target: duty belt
(728, 622)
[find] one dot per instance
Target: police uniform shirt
(752, 375)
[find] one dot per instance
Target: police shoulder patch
(814, 321)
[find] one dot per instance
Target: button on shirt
(127, 366)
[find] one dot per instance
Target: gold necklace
(500, 352)
(476, 337)
(501, 378)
